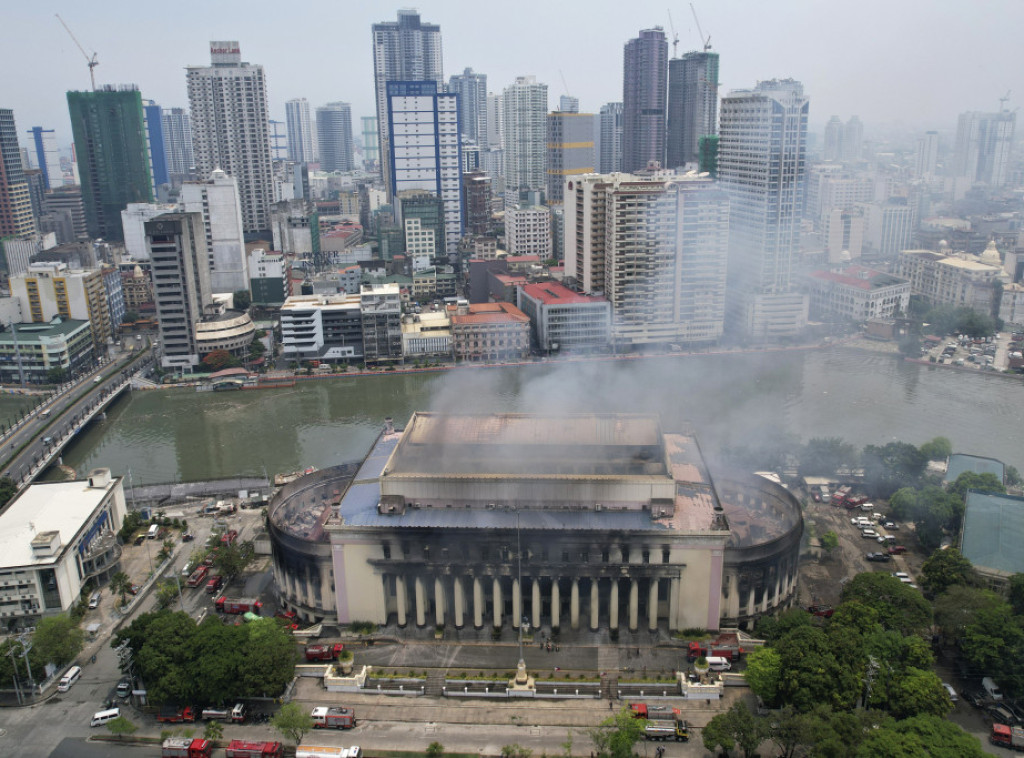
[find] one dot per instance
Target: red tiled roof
(553, 293)
(491, 313)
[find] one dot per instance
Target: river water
(728, 399)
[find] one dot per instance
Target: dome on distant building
(991, 255)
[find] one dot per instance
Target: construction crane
(91, 61)
(706, 41)
(675, 37)
(1004, 99)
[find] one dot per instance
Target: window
(646, 556)
(387, 551)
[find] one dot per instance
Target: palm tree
(120, 583)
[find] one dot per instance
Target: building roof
(993, 525)
(42, 332)
(62, 507)
(860, 277)
(960, 462)
(490, 313)
(553, 293)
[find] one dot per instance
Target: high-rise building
(423, 136)
(495, 121)
(178, 143)
(154, 119)
(300, 130)
(927, 158)
(524, 114)
(528, 231)
(656, 246)
(44, 143)
(471, 88)
(50, 289)
(15, 202)
(476, 200)
(181, 284)
(406, 50)
(853, 139)
(112, 156)
(371, 142)
(570, 150)
(610, 157)
(644, 90)
(984, 142)
(762, 165)
(692, 106)
(334, 133)
(833, 147)
(216, 200)
(568, 104)
(228, 100)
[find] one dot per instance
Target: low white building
(55, 538)
(960, 279)
(1011, 305)
(322, 327)
(857, 293)
(528, 231)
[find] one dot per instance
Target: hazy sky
(906, 63)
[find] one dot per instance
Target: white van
(102, 717)
(69, 678)
(94, 600)
(718, 663)
(154, 530)
(991, 688)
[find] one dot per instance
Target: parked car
(124, 687)
(187, 537)
(134, 589)
(975, 697)
(880, 557)
(869, 534)
(891, 525)
(825, 611)
(950, 691)
(897, 550)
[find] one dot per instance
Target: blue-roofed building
(619, 526)
(961, 462)
(991, 536)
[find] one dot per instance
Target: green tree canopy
(914, 737)
(122, 727)
(891, 466)
(764, 668)
(944, 569)
(970, 480)
(958, 606)
(937, 449)
(232, 559)
(739, 725)
(617, 735)
(293, 721)
(829, 541)
(120, 582)
(8, 489)
(917, 693)
(58, 639)
(242, 300)
(993, 642)
(1017, 593)
(811, 674)
(827, 456)
(898, 606)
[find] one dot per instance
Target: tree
(120, 583)
(515, 751)
(165, 550)
(917, 693)
(921, 735)
(617, 735)
(122, 727)
(293, 722)
(764, 668)
(717, 734)
(270, 658)
(899, 607)
(1012, 476)
(937, 449)
(791, 730)
(242, 300)
(958, 606)
(944, 569)
(218, 360)
(213, 730)
(891, 466)
(970, 480)
(232, 559)
(744, 727)
(826, 456)
(811, 674)
(992, 640)
(166, 593)
(58, 639)
(8, 489)
(434, 750)
(1017, 593)
(829, 541)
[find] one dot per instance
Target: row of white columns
(459, 602)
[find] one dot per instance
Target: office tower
(153, 117)
(278, 140)
(568, 104)
(524, 114)
(217, 201)
(405, 50)
(371, 140)
(471, 88)
(228, 100)
(133, 222)
(66, 203)
(44, 143)
(570, 150)
(657, 247)
(495, 122)
(300, 131)
(15, 203)
(178, 143)
(833, 147)
(334, 134)
(423, 137)
(181, 284)
(610, 158)
(927, 157)
(112, 156)
(644, 89)
(476, 200)
(528, 231)
(853, 139)
(692, 106)
(762, 165)
(984, 142)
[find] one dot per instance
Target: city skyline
(872, 61)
